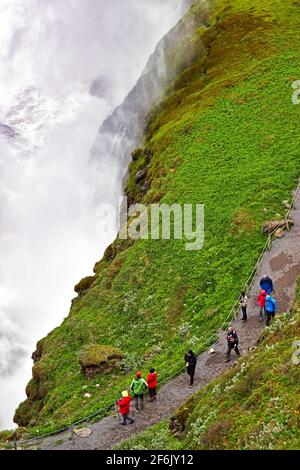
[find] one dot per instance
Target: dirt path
(282, 262)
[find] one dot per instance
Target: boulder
(279, 233)
(83, 432)
(99, 359)
(35, 390)
(176, 427)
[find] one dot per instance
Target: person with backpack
(266, 283)
(243, 305)
(124, 408)
(271, 308)
(232, 343)
(261, 300)
(152, 383)
(191, 362)
(139, 387)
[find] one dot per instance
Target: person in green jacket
(138, 387)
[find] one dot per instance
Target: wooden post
(73, 436)
(15, 444)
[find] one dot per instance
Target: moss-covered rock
(27, 412)
(36, 390)
(37, 354)
(84, 285)
(40, 372)
(99, 359)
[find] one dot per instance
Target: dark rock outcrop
(84, 285)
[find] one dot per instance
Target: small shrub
(214, 436)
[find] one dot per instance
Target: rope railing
(200, 348)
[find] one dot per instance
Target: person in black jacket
(232, 343)
(191, 362)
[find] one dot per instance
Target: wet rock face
(99, 359)
(141, 175)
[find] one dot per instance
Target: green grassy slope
(227, 135)
(253, 406)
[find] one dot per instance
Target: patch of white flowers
(275, 403)
(184, 329)
(129, 301)
(269, 347)
(278, 323)
(237, 377)
(131, 362)
(148, 441)
(199, 426)
(216, 391)
(266, 437)
(194, 341)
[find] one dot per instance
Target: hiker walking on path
(191, 362)
(232, 343)
(261, 300)
(244, 303)
(139, 387)
(124, 408)
(271, 308)
(266, 283)
(152, 383)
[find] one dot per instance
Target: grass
(254, 406)
(226, 135)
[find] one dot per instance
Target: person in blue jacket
(270, 307)
(266, 283)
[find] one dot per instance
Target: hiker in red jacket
(124, 408)
(152, 383)
(261, 300)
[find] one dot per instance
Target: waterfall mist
(64, 67)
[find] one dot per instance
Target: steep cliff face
(225, 135)
(124, 129)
